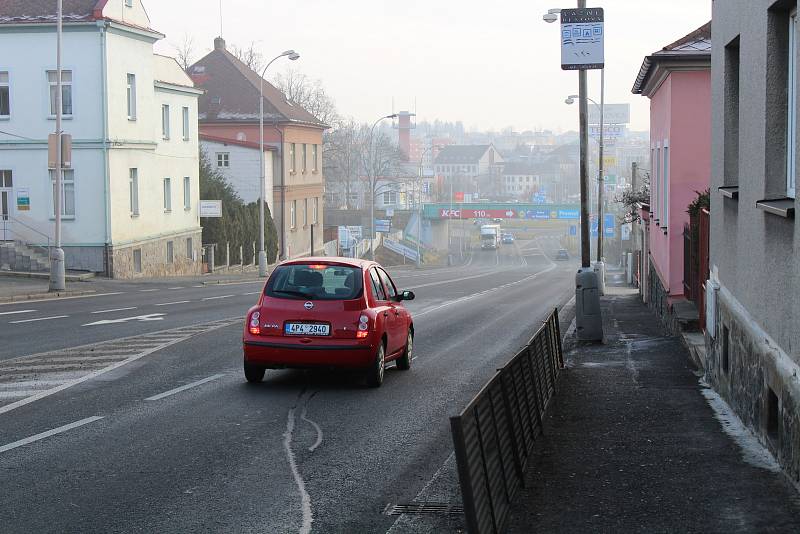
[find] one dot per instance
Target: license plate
(306, 329)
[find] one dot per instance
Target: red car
(329, 312)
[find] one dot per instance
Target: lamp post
(601, 164)
(589, 325)
(419, 204)
(262, 253)
(372, 184)
(57, 269)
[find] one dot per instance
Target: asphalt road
(174, 440)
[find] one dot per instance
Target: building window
(293, 215)
(187, 193)
(67, 193)
(165, 121)
(133, 184)
(131, 97)
(66, 91)
(137, 260)
(5, 96)
(189, 248)
(5, 196)
(791, 137)
(389, 198)
(223, 159)
(167, 194)
(292, 159)
(731, 114)
(305, 212)
(185, 124)
(128, 3)
(305, 158)
(170, 251)
(315, 157)
(315, 211)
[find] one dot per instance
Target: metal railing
(495, 434)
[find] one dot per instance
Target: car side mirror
(407, 295)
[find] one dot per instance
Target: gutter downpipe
(106, 159)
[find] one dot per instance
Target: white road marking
(39, 319)
(253, 293)
(173, 303)
(140, 318)
(17, 312)
(32, 383)
(174, 288)
(49, 433)
(112, 311)
(65, 298)
(16, 394)
(482, 293)
(454, 280)
(199, 286)
(183, 388)
(305, 498)
(220, 297)
(147, 290)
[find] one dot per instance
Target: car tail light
(255, 327)
(363, 327)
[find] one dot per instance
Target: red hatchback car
(329, 312)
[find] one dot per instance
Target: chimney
(219, 43)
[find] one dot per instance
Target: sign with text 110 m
(582, 39)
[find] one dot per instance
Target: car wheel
(253, 373)
(404, 361)
(375, 373)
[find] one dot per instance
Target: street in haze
(224, 455)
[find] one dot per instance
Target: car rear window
(315, 282)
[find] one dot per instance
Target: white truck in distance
(490, 236)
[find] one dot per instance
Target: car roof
(328, 260)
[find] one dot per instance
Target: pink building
(677, 80)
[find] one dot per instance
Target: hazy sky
(488, 64)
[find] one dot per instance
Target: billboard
(612, 114)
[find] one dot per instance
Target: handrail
(17, 221)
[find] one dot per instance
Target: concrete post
(228, 255)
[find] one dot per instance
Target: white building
(131, 197)
(239, 163)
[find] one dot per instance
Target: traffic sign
(383, 226)
(582, 39)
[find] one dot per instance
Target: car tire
(253, 373)
(376, 370)
(404, 361)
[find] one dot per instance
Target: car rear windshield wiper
(293, 292)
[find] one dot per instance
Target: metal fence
(495, 434)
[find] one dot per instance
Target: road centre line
(39, 319)
(17, 312)
(253, 293)
(220, 297)
(112, 311)
(94, 295)
(454, 280)
(49, 433)
(147, 290)
(183, 388)
(175, 288)
(173, 303)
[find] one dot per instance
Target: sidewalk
(632, 445)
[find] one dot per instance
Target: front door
(397, 326)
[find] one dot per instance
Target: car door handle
(386, 314)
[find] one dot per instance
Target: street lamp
(57, 268)
(372, 184)
(419, 204)
(601, 166)
(262, 253)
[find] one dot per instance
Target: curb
(44, 296)
(46, 276)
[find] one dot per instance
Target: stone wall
(757, 379)
(154, 258)
(92, 259)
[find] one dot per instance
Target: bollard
(227, 255)
(254, 253)
(241, 256)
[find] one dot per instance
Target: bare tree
(250, 56)
(184, 52)
(343, 158)
(309, 94)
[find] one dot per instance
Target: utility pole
(57, 269)
(601, 178)
(583, 119)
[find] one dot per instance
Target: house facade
(130, 198)
(469, 169)
(240, 163)
(677, 80)
(753, 334)
(229, 110)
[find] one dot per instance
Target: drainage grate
(424, 508)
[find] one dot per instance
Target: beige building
(229, 109)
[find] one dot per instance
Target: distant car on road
(508, 239)
(562, 255)
(329, 312)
